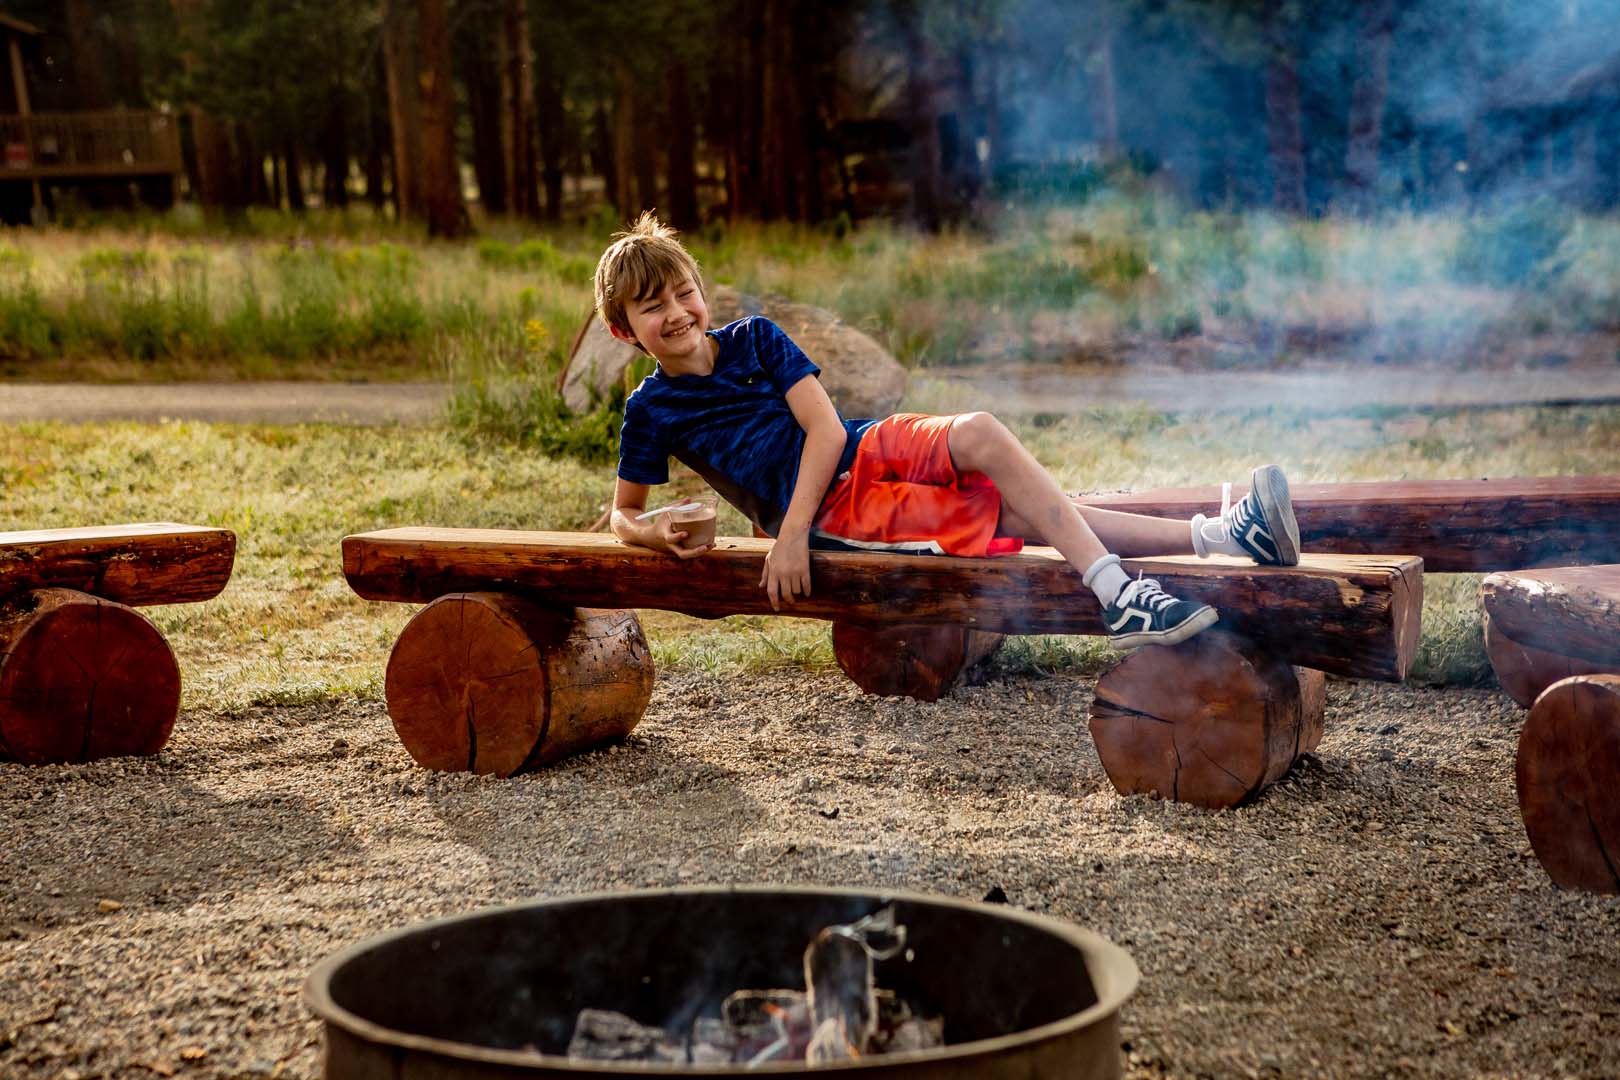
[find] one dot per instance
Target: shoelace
(1145, 592)
(1226, 509)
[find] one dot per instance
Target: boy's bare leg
(1034, 507)
(1126, 535)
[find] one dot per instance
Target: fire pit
(497, 993)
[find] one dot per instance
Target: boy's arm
(658, 533)
(787, 565)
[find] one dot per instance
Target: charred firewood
(841, 990)
(604, 1035)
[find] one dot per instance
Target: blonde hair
(638, 263)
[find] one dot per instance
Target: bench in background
(82, 674)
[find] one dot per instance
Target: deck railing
(88, 144)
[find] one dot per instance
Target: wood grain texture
(1212, 721)
(1525, 671)
(1568, 775)
(489, 683)
(137, 564)
(921, 662)
(1349, 615)
(82, 678)
(1572, 611)
(1462, 526)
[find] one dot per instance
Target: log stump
(916, 661)
(492, 683)
(82, 678)
(1212, 721)
(1525, 671)
(1568, 775)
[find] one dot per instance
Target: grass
(348, 295)
(288, 629)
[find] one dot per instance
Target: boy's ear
(623, 335)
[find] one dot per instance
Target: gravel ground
(1379, 912)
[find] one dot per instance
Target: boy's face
(669, 323)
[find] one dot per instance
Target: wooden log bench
(1454, 526)
(1554, 639)
(513, 626)
(82, 674)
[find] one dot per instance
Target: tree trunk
(517, 101)
(1105, 103)
(82, 678)
(1568, 779)
(923, 121)
(296, 202)
(683, 205)
(399, 58)
(335, 153)
(553, 148)
(1367, 97)
(624, 142)
(489, 122)
(1284, 126)
(490, 683)
(88, 63)
(644, 156)
(440, 175)
(744, 108)
(1213, 721)
(217, 180)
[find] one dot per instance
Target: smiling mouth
(682, 330)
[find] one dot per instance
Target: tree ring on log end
(1568, 777)
(82, 678)
(491, 683)
(1212, 721)
(915, 661)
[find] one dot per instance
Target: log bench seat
(523, 652)
(82, 674)
(1454, 526)
(1554, 639)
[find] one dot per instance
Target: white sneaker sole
(1202, 619)
(1271, 488)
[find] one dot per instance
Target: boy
(741, 406)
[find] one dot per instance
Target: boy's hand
(787, 569)
(673, 540)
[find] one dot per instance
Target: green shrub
(1514, 249)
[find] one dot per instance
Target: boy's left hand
(787, 569)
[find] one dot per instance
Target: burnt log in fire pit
(496, 994)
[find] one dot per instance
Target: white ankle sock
(1210, 536)
(1106, 577)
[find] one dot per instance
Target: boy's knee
(976, 436)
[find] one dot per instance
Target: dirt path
(1008, 390)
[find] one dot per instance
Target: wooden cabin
(130, 153)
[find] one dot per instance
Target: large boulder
(858, 373)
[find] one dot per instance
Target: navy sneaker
(1262, 523)
(1144, 614)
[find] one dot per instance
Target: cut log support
(1454, 526)
(150, 563)
(1568, 775)
(1349, 615)
(1525, 671)
(489, 683)
(1212, 721)
(1572, 611)
(82, 678)
(921, 662)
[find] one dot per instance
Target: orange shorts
(903, 494)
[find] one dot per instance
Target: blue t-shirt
(732, 427)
